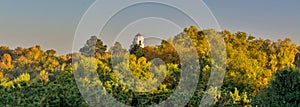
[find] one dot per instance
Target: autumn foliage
(256, 69)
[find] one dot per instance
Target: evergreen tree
(93, 46)
(284, 89)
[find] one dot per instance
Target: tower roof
(139, 34)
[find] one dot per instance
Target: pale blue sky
(52, 23)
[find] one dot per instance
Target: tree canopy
(257, 70)
(93, 47)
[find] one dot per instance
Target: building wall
(139, 40)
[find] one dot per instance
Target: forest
(259, 72)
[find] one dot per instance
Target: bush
(284, 89)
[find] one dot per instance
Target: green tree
(297, 60)
(117, 50)
(284, 89)
(93, 46)
(137, 50)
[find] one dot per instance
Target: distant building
(138, 40)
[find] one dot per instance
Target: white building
(138, 40)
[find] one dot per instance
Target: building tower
(138, 40)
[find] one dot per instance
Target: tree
(93, 47)
(6, 62)
(4, 49)
(50, 64)
(1, 75)
(44, 76)
(117, 49)
(284, 89)
(33, 53)
(297, 60)
(51, 52)
(137, 50)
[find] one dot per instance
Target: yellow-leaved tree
(10, 84)
(44, 76)
(6, 62)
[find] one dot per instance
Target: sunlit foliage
(255, 72)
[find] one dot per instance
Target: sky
(52, 23)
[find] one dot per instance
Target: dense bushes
(61, 92)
